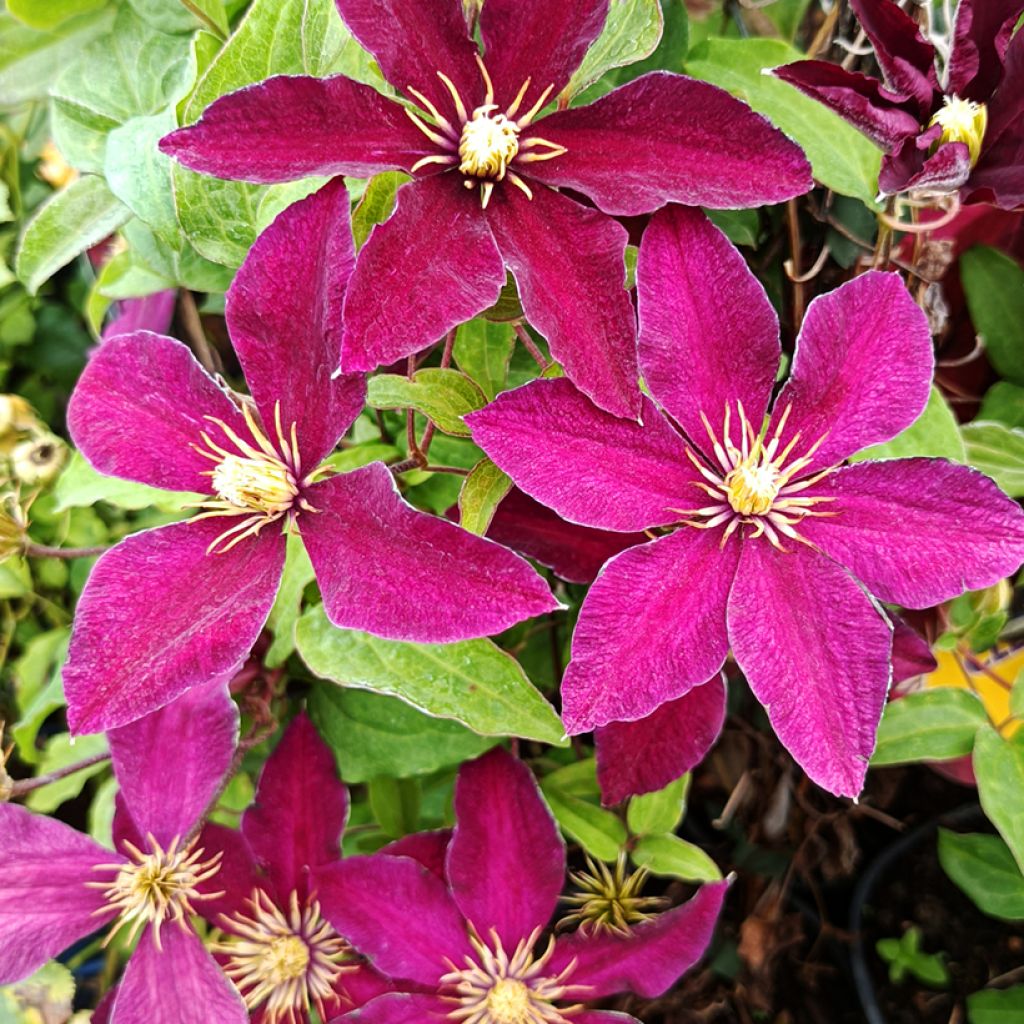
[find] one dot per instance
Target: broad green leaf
(842, 158)
(75, 218)
(786, 15)
(999, 767)
(741, 227)
(929, 725)
(1004, 403)
(183, 15)
(395, 804)
(997, 451)
(631, 33)
(1017, 697)
(577, 778)
(46, 14)
(444, 396)
(670, 53)
(211, 13)
(376, 204)
(36, 707)
(80, 486)
(598, 831)
(298, 574)
(374, 735)
(33, 667)
(483, 349)
(42, 998)
(983, 866)
(670, 855)
(994, 289)
(480, 496)
(101, 812)
(934, 434)
(658, 812)
(472, 681)
(996, 1006)
(63, 750)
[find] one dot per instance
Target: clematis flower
(171, 607)
(280, 951)
(471, 940)
(58, 886)
(965, 133)
(766, 541)
(487, 166)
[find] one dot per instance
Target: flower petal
(357, 986)
(506, 860)
(652, 959)
(575, 295)
(665, 138)
(646, 755)
(389, 569)
(815, 651)
(177, 982)
(400, 1008)
(291, 127)
(295, 822)
(428, 268)
(911, 654)
(651, 628)
(914, 165)
(284, 317)
(148, 313)
(397, 913)
(45, 905)
(981, 35)
(159, 615)
(198, 733)
(862, 370)
(592, 468)
(709, 336)
(140, 405)
(428, 848)
(230, 889)
(918, 531)
(532, 37)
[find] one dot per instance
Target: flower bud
(16, 415)
(38, 460)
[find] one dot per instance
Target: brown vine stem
(34, 550)
(192, 324)
(24, 786)
(523, 335)
(793, 268)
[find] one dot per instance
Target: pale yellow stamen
(962, 121)
(489, 144)
(609, 899)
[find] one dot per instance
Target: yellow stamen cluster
(962, 121)
(609, 898)
(496, 988)
(156, 885)
(489, 144)
(284, 963)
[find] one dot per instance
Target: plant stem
(528, 344)
(34, 550)
(192, 324)
(23, 786)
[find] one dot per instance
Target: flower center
(609, 899)
(489, 144)
(962, 121)
(285, 963)
(258, 485)
(157, 885)
(509, 1001)
(752, 489)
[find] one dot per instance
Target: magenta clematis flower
(768, 543)
(280, 951)
(965, 134)
(470, 938)
(171, 607)
(58, 886)
(487, 168)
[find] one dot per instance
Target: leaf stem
(24, 786)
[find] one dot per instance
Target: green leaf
(80, 486)
(374, 735)
(984, 868)
(443, 396)
(999, 767)
(46, 14)
(1017, 696)
(631, 33)
(670, 53)
(39, 999)
(598, 831)
(842, 158)
(670, 855)
(376, 204)
(298, 574)
(35, 709)
(658, 812)
(75, 218)
(483, 350)
(1004, 403)
(480, 496)
(63, 750)
(741, 227)
(395, 804)
(994, 289)
(472, 681)
(997, 451)
(577, 778)
(934, 434)
(929, 725)
(996, 1006)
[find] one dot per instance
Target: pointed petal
(646, 633)
(591, 467)
(413, 40)
(981, 35)
(545, 41)
(139, 406)
(358, 986)
(665, 138)
(291, 127)
(862, 371)
(709, 336)
(646, 755)
(653, 958)
(179, 983)
(575, 553)
(918, 531)
(400, 1008)
(147, 313)
(815, 651)
(913, 166)
(506, 861)
(197, 733)
(159, 615)
(296, 820)
(392, 570)
(574, 294)
(284, 317)
(428, 268)
(428, 848)
(45, 905)
(397, 913)
(911, 654)
(237, 878)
